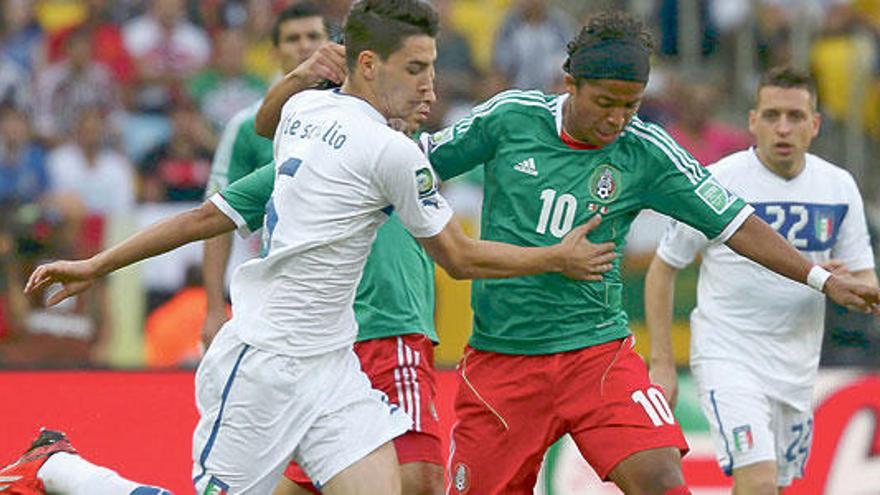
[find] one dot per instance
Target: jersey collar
(359, 103)
(560, 103)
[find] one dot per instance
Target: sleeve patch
(715, 195)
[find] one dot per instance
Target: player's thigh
(505, 422)
(755, 479)
(355, 420)
(616, 413)
(377, 472)
(239, 443)
(421, 478)
(286, 486)
(741, 425)
(793, 429)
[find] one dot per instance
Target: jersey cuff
(734, 224)
(435, 227)
(671, 259)
(229, 211)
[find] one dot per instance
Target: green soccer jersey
(537, 188)
(240, 151)
(396, 292)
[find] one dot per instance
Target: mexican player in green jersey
(550, 356)
(297, 34)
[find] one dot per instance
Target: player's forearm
(759, 242)
(214, 261)
(192, 225)
(488, 259)
(269, 114)
(659, 297)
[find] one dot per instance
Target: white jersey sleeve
(407, 180)
(680, 244)
(853, 247)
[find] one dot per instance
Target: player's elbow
(457, 266)
(264, 127)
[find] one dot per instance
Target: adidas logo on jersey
(527, 166)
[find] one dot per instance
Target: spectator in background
(67, 86)
(85, 165)
(178, 169)
(167, 50)
(530, 45)
(225, 87)
(106, 41)
(667, 18)
(23, 174)
(696, 128)
(14, 84)
(22, 37)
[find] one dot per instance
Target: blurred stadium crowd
(110, 108)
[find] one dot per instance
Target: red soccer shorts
(403, 368)
(512, 408)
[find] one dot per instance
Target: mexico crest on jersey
(605, 183)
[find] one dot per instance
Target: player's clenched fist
(326, 64)
(583, 259)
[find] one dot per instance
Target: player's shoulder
(733, 163)
(518, 101)
(828, 170)
(648, 136)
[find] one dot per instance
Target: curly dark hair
(382, 25)
(610, 25)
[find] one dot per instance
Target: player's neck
(787, 171)
(360, 89)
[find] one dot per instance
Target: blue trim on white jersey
(808, 226)
(216, 428)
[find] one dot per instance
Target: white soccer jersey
(340, 170)
(750, 316)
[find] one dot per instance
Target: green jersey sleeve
(470, 142)
(683, 189)
(240, 151)
(248, 196)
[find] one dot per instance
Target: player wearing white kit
(756, 336)
(280, 380)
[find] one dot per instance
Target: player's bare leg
(378, 472)
(421, 478)
(651, 472)
(756, 479)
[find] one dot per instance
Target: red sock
(679, 490)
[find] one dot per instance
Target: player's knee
(420, 478)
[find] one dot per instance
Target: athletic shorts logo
(425, 182)
(605, 183)
(715, 195)
(216, 487)
(742, 438)
(462, 478)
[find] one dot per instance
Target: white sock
(69, 474)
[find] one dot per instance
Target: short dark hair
(382, 25)
(788, 77)
(297, 11)
(609, 25)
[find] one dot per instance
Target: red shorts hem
(682, 447)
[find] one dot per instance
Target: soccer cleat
(20, 477)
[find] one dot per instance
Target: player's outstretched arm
(326, 64)
(76, 276)
(659, 296)
(466, 258)
(759, 242)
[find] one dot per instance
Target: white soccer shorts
(259, 410)
(749, 427)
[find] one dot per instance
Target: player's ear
(817, 123)
(368, 63)
(753, 120)
(570, 84)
